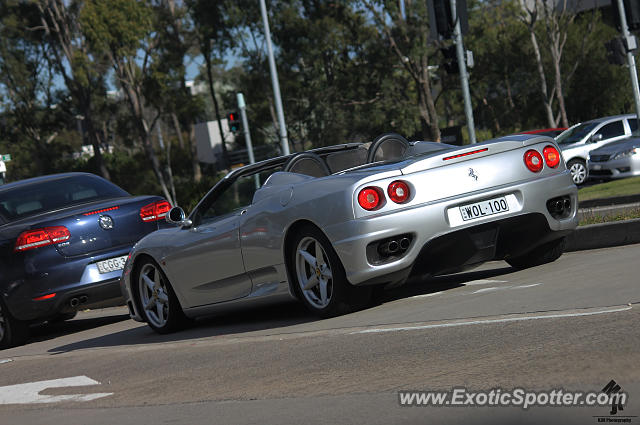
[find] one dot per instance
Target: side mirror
(177, 217)
(595, 138)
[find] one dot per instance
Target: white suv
(577, 141)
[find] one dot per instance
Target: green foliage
(117, 25)
(341, 79)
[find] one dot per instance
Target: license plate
(112, 264)
(596, 167)
(484, 208)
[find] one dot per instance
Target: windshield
(25, 200)
(575, 134)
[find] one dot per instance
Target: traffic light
(616, 51)
(235, 125)
(440, 22)
(450, 62)
(632, 13)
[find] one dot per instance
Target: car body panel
(610, 161)
(442, 179)
(68, 269)
(581, 148)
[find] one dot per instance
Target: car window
(236, 196)
(633, 124)
(38, 197)
(575, 134)
(610, 130)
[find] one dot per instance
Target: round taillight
(551, 156)
(398, 191)
(533, 160)
(369, 198)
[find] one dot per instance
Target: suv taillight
(155, 211)
(37, 238)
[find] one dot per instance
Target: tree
(555, 21)
(408, 40)
(82, 73)
(122, 30)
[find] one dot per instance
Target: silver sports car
(328, 225)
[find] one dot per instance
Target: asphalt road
(572, 324)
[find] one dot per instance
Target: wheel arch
(137, 262)
(287, 249)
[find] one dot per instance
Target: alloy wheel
(153, 295)
(314, 272)
(578, 172)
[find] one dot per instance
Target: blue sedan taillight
(37, 238)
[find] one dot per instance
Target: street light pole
(274, 81)
(631, 60)
(464, 76)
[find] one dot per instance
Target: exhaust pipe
(74, 302)
(83, 299)
(404, 243)
(388, 248)
(559, 206)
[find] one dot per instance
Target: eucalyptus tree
(83, 73)
(407, 37)
(551, 24)
(123, 31)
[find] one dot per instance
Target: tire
(156, 299)
(543, 254)
(13, 332)
(579, 171)
(319, 278)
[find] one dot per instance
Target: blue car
(64, 240)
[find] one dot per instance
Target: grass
(623, 187)
(598, 218)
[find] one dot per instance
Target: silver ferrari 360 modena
(327, 225)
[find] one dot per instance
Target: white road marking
(427, 295)
(6, 361)
(492, 288)
(30, 392)
(527, 286)
(490, 321)
(483, 282)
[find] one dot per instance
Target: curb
(604, 235)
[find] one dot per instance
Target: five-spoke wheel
(158, 302)
(314, 272)
(319, 277)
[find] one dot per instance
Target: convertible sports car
(325, 226)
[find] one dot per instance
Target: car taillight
(37, 238)
(551, 156)
(533, 160)
(369, 198)
(155, 211)
(398, 191)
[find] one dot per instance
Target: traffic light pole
(274, 80)
(247, 134)
(464, 77)
(630, 58)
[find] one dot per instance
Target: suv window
(633, 124)
(610, 130)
